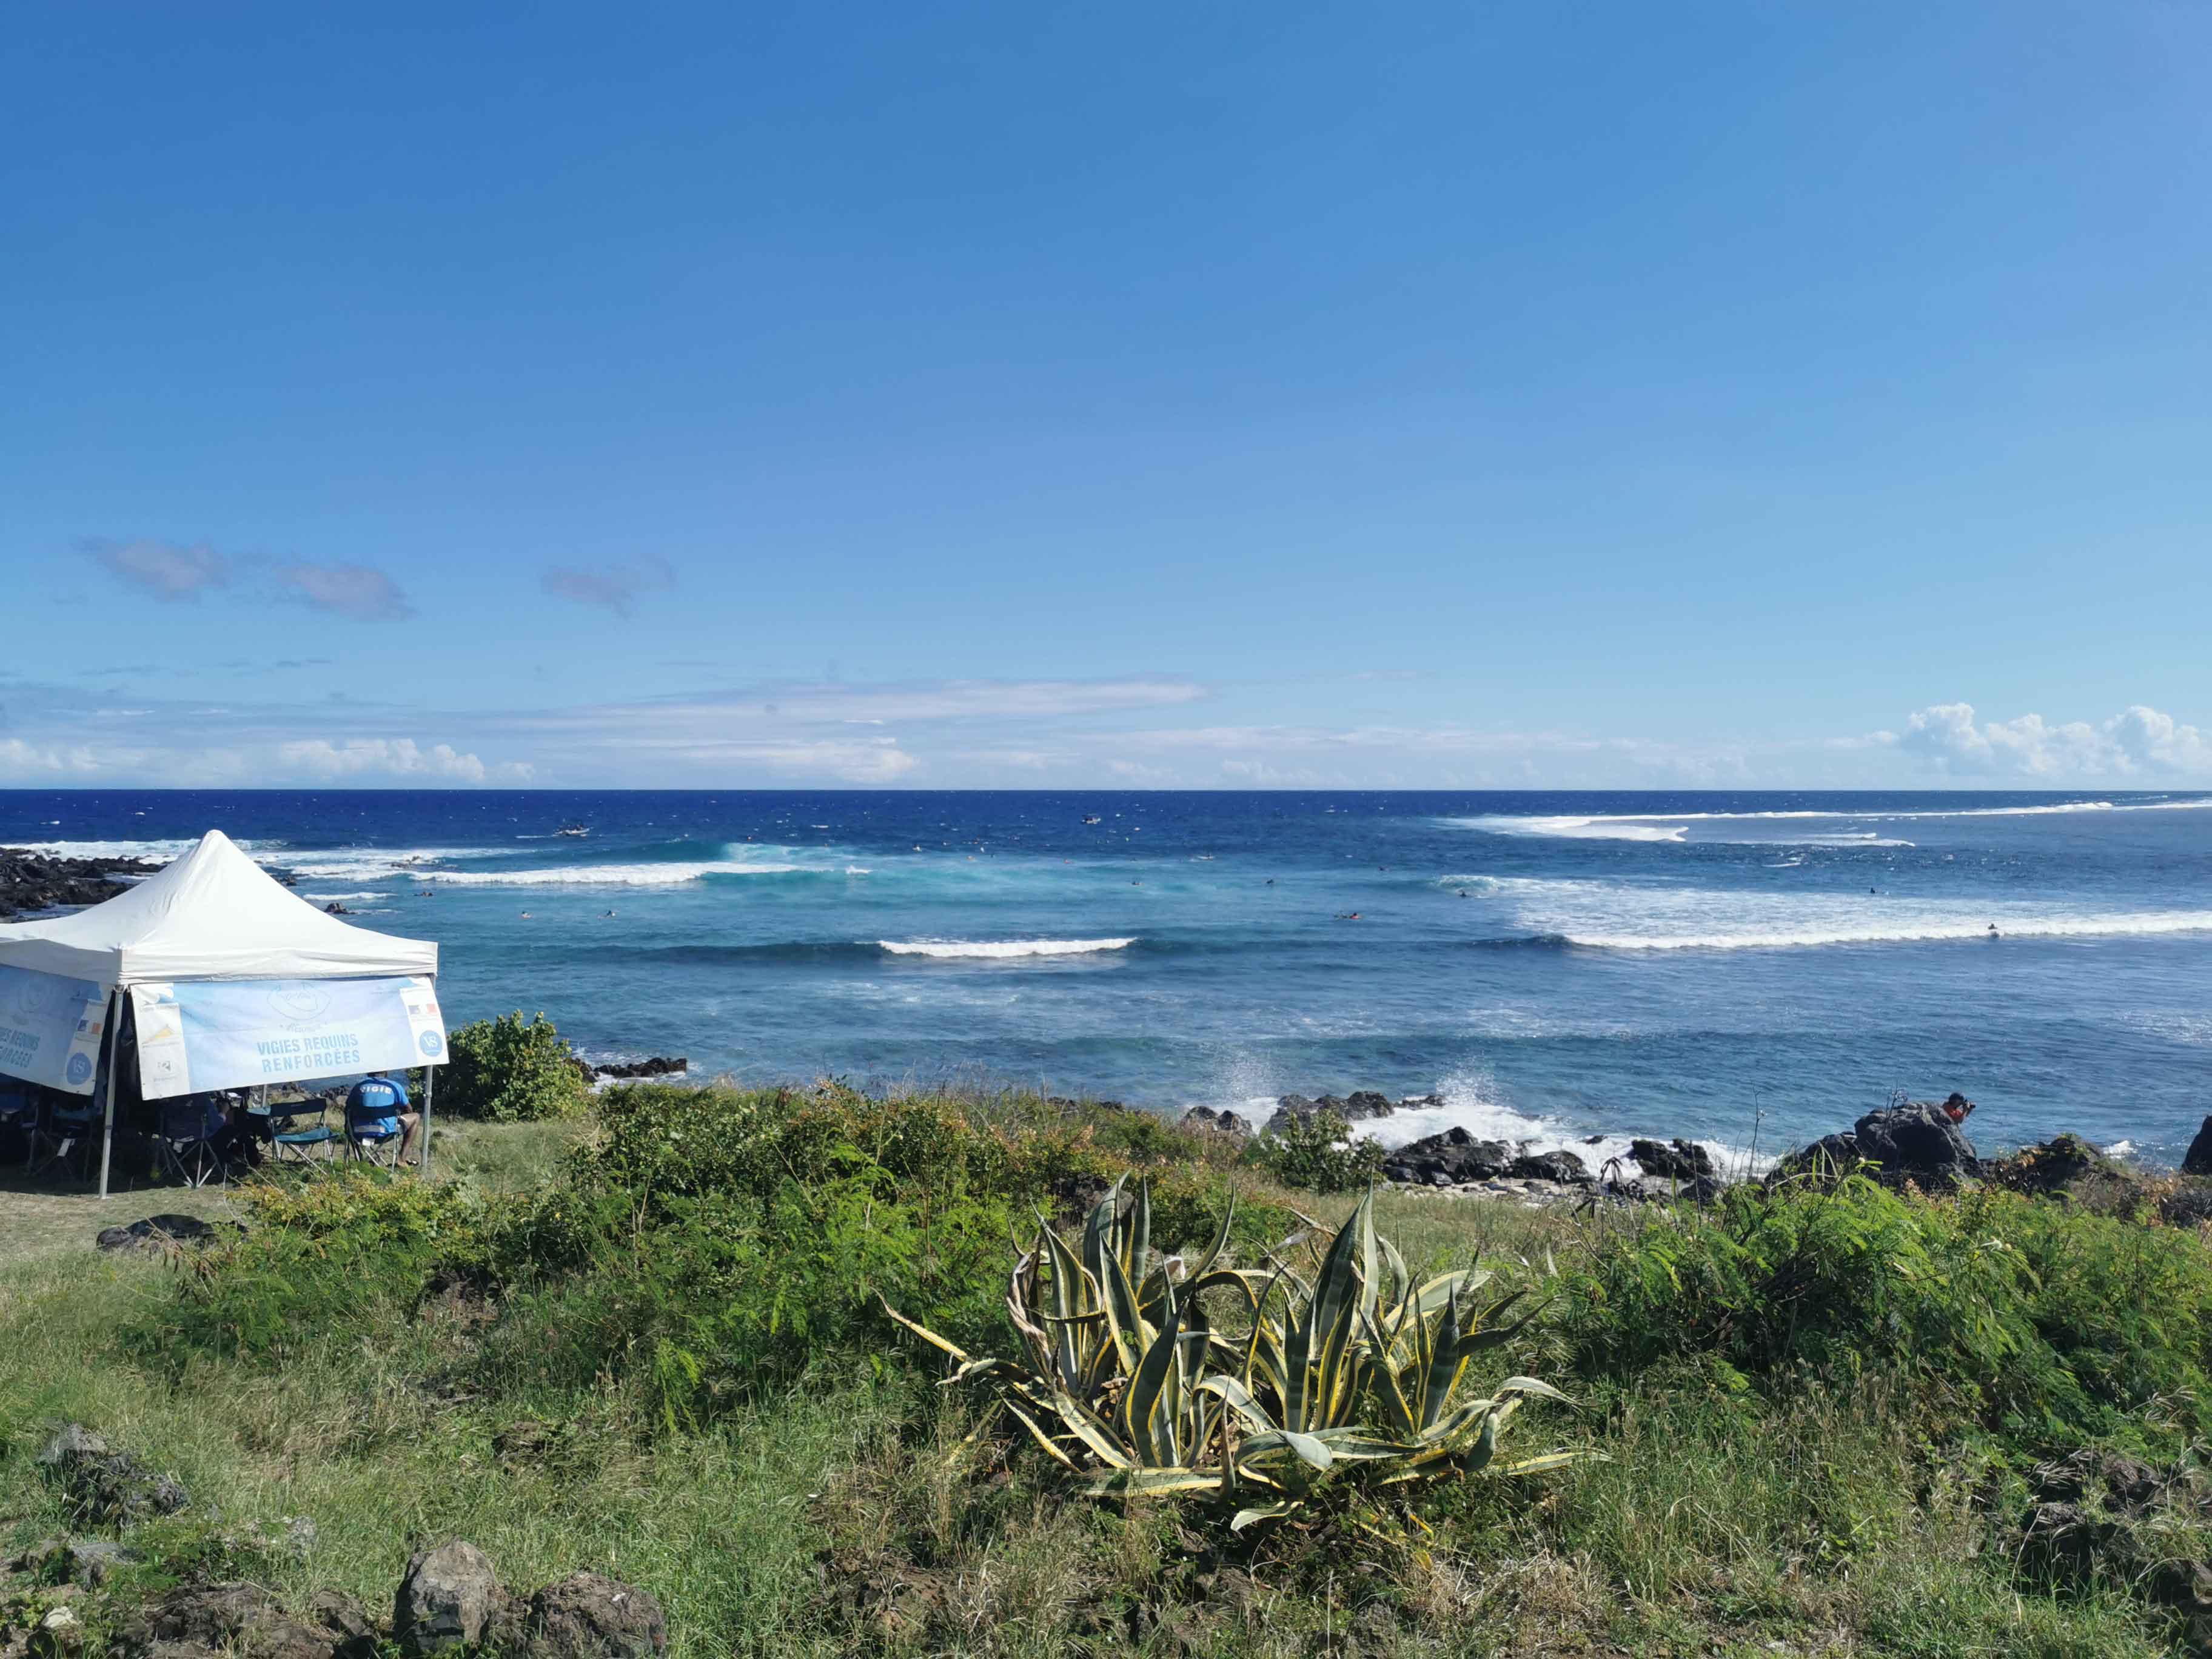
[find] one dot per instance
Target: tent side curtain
(51, 1027)
(232, 1033)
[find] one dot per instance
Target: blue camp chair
(370, 1144)
(68, 1129)
(301, 1130)
(184, 1146)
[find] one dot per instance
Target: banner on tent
(232, 1033)
(50, 1029)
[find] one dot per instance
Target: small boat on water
(573, 830)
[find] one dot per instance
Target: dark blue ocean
(1737, 967)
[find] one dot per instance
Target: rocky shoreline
(1915, 1142)
(34, 882)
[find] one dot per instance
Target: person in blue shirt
(379, 1105)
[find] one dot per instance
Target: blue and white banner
(50, 1029)
(232, 1033)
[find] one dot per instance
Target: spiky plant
(1129, 1388)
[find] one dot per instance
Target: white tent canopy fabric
(233, 980)
(214, 913)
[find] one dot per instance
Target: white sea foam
(334, 898)
(1904, 930)
(609, 875)
(1570, 829)
(1674, 826)
(1002, 948)
(1471, 1102)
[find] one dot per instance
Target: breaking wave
(1001, 948)
(612, 875)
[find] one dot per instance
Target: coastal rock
(1222, 1122)
(1829, 1158)
(2197, 1160)
(86, 1561)
(448, 1597)
(1916, 1142)
(1359, 1106)
(1564, 1167)
(33, 881)
(1448, 1159)
(2069, 1166)
(1676, 1160)
(658, 1065)
(104, 1486)
(155, 1235)
(589, 1616)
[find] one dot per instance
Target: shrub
(2040, 1322)
(1317, 1151)
(318, 1256)
(504, 1071)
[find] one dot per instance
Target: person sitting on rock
(378, 1105)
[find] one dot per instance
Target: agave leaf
(926, 1333)
(1259, 1512)
(1238, 1400)
(1140, 1235)
(1304, 1447)
(1548, 1462)
(1529, 1385)
(1220, 1240)
(1040, 1437)
(1097, 1230)
(1148, 1416)
(1092, 1431)
(1355, 1445)
(1447, 1363)
(1398, 1413)
(1142, 1483)
(1131, 1334)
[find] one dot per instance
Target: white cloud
(356, 591)
(614, 588)
(167, 570)
(385, 757)
(20, 759)
(1949, 738)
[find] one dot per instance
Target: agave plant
(1128, 1387)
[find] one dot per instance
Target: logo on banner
(430, 1044)
(298, 1004)
(79, 1067)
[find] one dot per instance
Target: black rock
(658, 1065)
(1357, 1107)
(1448, 1159)
(1678, 1160)
(104, 1486)
(32, 881)
(1916, 1142)
(1562, 1166)
(1828, 1159)
(2198, 1159)
(156, 1234)
(1224, 1123)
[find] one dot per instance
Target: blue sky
(1030, 394)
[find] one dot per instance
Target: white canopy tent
(234, 981)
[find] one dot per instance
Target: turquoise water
(1736, 968)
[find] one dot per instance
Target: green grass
(828, 1504)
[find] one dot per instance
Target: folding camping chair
(301, 1130)
(68, 1127)
(184, 1146)
(370, 1144)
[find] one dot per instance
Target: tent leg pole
(430, 1091)
(107, 1128)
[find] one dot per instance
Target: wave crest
(997, 949)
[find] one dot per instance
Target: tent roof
(213, 914)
